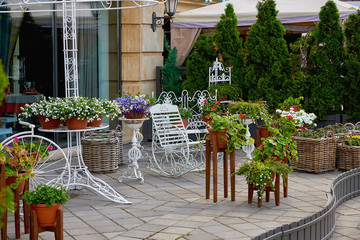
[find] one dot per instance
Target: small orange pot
(46, 216)
(75, 124)
(95, 123)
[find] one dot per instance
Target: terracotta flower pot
(46, 216)
(134, 115)
(95, 123)
(185, 122)
(51, 124)
(75, 124)
(295, 108)
(207, 120)
(221, 138)
(264, 132)
(11, 180)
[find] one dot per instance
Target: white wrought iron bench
(173, 152)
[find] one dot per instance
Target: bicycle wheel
(51, 165)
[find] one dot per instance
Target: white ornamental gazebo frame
(69, 9)
(79, 175)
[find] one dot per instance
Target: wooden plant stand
(276, 190)
(35, 229)
(26, 209)
(214, 149)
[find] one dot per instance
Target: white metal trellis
(218, 73)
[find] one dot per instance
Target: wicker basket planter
(348, 156)
(102, 150)
(315, 155)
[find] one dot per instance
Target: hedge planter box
(315, 155)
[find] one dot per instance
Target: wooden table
(212, 147)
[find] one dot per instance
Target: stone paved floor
(348, 221)
(176, 208)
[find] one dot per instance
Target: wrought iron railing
(320, 225)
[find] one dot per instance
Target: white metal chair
(173, 152)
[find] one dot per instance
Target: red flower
(290, 117)
(286, 145)
(241, 115)
(214, 109)
(205, 101)
(217, 102)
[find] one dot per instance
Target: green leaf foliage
(171, 78)
(44, 194)
(266, 58)
(4, 82)
(198, 63)
(325, 71)
(229, 45)
(352, 65)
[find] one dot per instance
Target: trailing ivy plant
(266, 58)
(325, 71)
(171, 77)
(352, 64)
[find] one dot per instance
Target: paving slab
(176, 208)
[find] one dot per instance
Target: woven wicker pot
(315, 155)
(348, 156)
(46, 216)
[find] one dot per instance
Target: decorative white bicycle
(51, 165)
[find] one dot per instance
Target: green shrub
(267, 58)
(352, 65)
(198, 63)
(171, 78)
(325, 71)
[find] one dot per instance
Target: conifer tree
(352, 64)
(197, 64)
(171, 78)
(267, 61)
(229, 44)
(325, 79)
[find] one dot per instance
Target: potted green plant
(254, 110)
(290, 102)
(134, 107)
(111, 109)
(50, 111)
(209, 107)
(185, 114)
(76, 112)
(18, 164)
(96, 112)
(260, 174)
(46, 200)
(229, 133)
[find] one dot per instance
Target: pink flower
(16, 140)
(49, 147)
